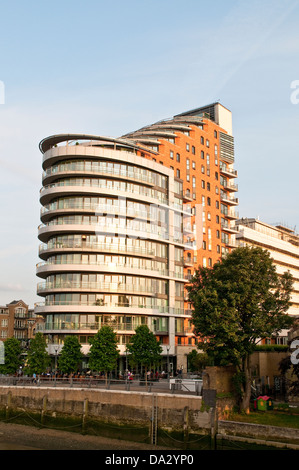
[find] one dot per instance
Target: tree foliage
(144, 348)
(104, 352)
(197, 361)
(236, 303)
(71, 355)
(37, 359)
(12, 356)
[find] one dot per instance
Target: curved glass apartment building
(126, 221)
(112, 243)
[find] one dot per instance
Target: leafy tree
(238, 302)
(144, 349)
(198, 361)
(12, 356)
(71, 355)
(104, 352)
(37, 359)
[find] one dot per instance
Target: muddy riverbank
(21, 437)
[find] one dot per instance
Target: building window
(193, 149)
(193, 165)
(202, 169)
(178, 157)
(202, 140)
(188, 164)
(203, 184)
(215, 134)
(207, 143)
(202, 155)
(171, 154)
(178, 174)
(188, 147)
(193, 182)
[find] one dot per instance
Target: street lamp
(168, 368)
(56, 353)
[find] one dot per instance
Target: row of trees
(143, 349)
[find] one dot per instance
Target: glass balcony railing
(133, 174)
(129, 327)
(155, 309)
(112, 248)
(97, 286)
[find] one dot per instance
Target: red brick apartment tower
(199, 146)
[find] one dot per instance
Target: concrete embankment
(137, 416)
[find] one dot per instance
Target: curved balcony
(45, 269)
(150, 231)
(52, 248)
(98, 187)
(54, 327)
(46, 288)
(41, 308)
(82, 169)
(98, 209)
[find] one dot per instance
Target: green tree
(71, 355)
(144, 348)
(12, 356)
(37, 359)
(238, 302)
(103, 353)
(198, 361)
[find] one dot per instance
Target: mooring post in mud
(8, 406)
(85, 414)
(186, 427)
(44, 410)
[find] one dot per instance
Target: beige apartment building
(283, 246)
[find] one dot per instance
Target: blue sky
(112, 67)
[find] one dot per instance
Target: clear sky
(107, 68)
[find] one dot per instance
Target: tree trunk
(245, 404)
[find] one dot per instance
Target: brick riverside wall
(174, 411)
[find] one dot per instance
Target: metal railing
(137, 383)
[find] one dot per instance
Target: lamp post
(168, 368)
(56, 353)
